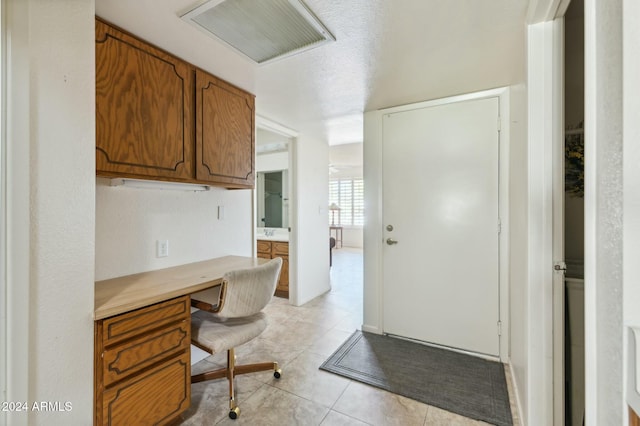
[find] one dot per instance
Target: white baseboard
(371, 329)
(514, 383)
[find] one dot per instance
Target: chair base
(231, 371)
(239, 369)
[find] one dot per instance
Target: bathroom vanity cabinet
(268, 249)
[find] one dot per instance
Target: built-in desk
(142, 339)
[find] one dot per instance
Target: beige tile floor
(300, 339)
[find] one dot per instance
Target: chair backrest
(248, 291)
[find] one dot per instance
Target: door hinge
(499, 328)
(499, 226)
(499, 123)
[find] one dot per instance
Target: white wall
(603, 212)
(372, 258)
(272, 162)
(129, 221)
(352, 237)
(518, 242)
(51, 292)
(311, 241)
(631, 179)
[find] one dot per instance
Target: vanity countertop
(279, 234)
(281, 238)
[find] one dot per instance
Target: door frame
(272, 126)
(4, 306)
(373, 231)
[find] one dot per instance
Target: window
(348, 194)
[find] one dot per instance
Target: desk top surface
(122, 294)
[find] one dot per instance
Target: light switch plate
(162, 248)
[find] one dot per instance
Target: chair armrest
(204, 305)
(207, 300)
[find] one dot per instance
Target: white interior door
(440, 212)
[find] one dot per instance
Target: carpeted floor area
(460, 383)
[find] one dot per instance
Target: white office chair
(233, 319)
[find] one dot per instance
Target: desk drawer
(123, 360)
(155, 397)
(129, 325)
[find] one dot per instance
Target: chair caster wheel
(277, 373)
(234, 413)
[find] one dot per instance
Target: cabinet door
(282, 289)
(225, 135)
(280, 249)
(264, 249)
(283, 283)
(155, 397)
(144, 109)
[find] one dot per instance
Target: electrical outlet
(162, 248)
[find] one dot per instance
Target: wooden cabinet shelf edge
(152, 122)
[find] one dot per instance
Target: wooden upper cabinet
(144, 109)
(225, 135)
(158, 117)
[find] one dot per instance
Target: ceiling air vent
(262, 30)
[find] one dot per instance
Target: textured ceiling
(388, 52)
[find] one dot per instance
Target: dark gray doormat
(463, 384)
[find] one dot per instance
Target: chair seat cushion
(221, 334)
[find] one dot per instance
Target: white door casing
(441, 196)
(374, 232)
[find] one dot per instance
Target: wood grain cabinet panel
(159, 117)
(264, 248)
(225, 136)
(280, 247)
(155, 397)
(144, 109)
(130, 324)
(283, 283)
(142, 365)
(124, 360)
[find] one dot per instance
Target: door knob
(391, 241)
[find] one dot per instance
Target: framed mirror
(273, 199)
(272, 180)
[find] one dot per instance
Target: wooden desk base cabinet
(143, 365)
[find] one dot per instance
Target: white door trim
(272, 126)
(373, 231)
(4, 306)
(558, 213)
(545, 127)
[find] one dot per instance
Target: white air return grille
(262, 30)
